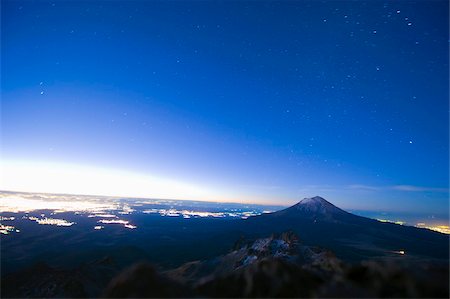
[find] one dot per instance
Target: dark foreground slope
(275, 266)
(281, 266)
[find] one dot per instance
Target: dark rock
(142, 281)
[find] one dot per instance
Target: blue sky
(254, 101)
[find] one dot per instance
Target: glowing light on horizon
(118, 221)
(102, 216)
(390, 221)
(125, 223)
(15, 204)
(51, 221)
(445, 229)
(74, 179)
(202, 214)
(55, 179)
(6, 229)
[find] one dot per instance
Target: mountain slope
(351, 237)
(317, 208)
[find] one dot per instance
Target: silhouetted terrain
(312, 249)
(276, 266)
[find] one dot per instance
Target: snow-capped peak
(317, 205)
(314, 201)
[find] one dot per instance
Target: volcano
(352, 237)
(316, 208)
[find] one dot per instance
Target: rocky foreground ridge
(280, 266)
(276, 266)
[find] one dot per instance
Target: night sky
(253, 101)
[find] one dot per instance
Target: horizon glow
(46, 177)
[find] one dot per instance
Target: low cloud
(407, 188)
(410, 188)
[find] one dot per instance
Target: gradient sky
(252, 101)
